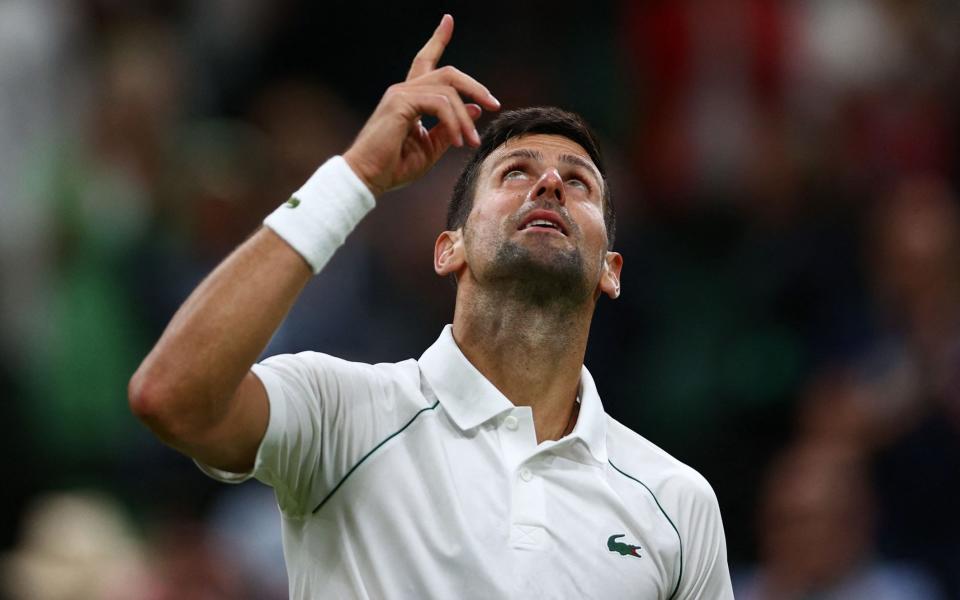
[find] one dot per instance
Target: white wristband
(318, 217)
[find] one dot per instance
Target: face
(536, 227)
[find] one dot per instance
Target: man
(485, 469)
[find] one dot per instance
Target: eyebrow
(573, 159)
(570, 159)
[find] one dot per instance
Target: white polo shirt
(421, 480)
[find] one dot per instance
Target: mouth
(543, 221)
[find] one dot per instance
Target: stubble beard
(556, 279)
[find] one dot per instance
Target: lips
(545, 220)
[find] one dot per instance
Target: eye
(514, 172)
(578, 183)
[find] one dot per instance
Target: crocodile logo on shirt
(623, 549)
(293, 202)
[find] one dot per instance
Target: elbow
(143, 396)
(174, 413)
(151, 401)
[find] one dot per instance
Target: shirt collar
(591, 424)
(466, 395)
(471, 400)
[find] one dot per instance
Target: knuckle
(450, 71)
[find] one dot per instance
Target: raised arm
(195, 389)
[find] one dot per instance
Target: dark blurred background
(786, 177)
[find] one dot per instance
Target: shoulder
(637, 458)
(320, 363)
(324, 367)
(687, 501)
(319, 382)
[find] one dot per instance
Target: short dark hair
(514, 123)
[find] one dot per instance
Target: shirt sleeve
(705, 570)
(321, 410)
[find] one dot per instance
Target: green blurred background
(785, 175)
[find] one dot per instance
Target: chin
(541, 275)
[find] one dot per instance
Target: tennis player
(487, 468)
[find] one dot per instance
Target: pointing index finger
(427, 58)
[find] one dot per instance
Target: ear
(610, 275)
(448, 255)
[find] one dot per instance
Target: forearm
(186, 386)
(217, 334)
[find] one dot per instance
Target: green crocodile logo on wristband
(293, 202)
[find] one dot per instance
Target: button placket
(518, 442)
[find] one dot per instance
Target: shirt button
(511, 422)
(526, 474)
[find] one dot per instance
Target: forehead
(547, 144)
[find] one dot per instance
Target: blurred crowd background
(786, 175)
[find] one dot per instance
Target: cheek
(592, 224)
(495, 210)
(481, 231)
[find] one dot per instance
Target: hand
(394, 148)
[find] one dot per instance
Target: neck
(532, 354)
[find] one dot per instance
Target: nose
(549, 187)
